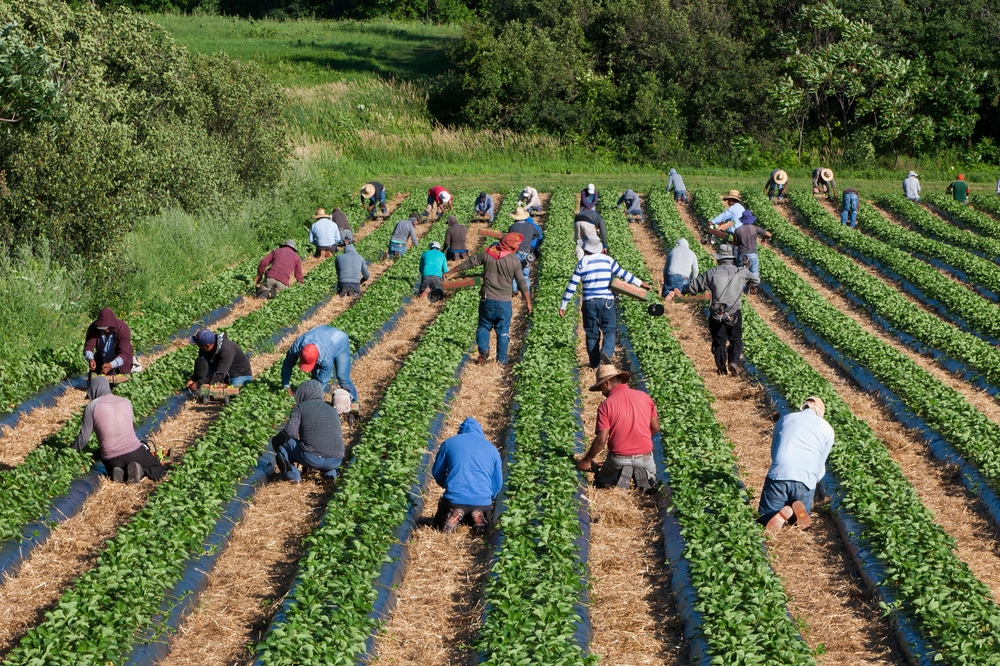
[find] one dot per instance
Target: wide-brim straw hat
(520, 214)
(826, 174)
(320, 213)
(367, 190)
(606, 372)
(780, 177)
(733, 195)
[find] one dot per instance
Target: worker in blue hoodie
(468, 467)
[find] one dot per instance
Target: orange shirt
(626, 413)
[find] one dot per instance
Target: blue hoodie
(468, 466)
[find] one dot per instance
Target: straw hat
(606, 372)
(780, 177)
(826, 175)
(733, 195)
(368, 190)
(520, 214)
(320, 213)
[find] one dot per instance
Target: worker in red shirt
(438, 199)
(626, 423)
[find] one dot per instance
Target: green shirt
(960, 190)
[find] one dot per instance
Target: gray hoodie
(351, 266)
(314, 422)
(676, 183)
(681, 261)
(725, 282)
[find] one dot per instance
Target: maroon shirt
(283, 262)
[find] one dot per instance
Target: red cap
(961, 176)
(308, 358)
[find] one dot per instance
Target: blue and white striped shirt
(595, 271)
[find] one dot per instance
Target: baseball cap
(203, 337)
(435, 245)
(445, 197)
(308, 358)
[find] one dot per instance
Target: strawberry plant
(927, 223)
(965, 216)
(988, 203)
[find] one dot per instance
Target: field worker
(433, 266)
(680, 267)
(110, 416)
(589, 223)
(483, 206)
(529, 234)
(438, 199)
(849, 201)
(776, 185)
(595, 271)
(320, 352)
(725, 282)
(998, 186)
(823, 182)
(275, 270)
(468, 467)
(346, 237)
(455, 239)
(588, 198)
(799, 448)
(626, 423)
(746, 242)
(324, 234)
(529, 200)
(312, 436)
(630, 200)
(373, 194)
(352, 270)
(959, 189)
(220, 361)
(729, 219)
(500, 267)
(405, 230)
(676, 185)
(911, 187)
(108, 345)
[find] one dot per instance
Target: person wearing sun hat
(911, 187)
(530, 200)
(588, 197)
(745, 238)
(729, 219)
(589, 223)
(800, 445)
(274, 273)
(529, 235)
(776, 185)
(823, 182)
(373, 194)
(321, 353)
(220, 361)
(626, 422)
(959, 189)
(324, 234)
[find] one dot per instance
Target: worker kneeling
(312, 437)
(110, 416)
(468, 467)
(220, 361)
(799, 449)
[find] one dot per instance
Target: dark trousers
(349, 288)
(457, 254)
(445, 507)
(727, 333)
(151, 466)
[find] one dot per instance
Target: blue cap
(203, 337)
(747, 217)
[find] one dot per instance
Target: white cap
(435, 245)
(525, 193)
(445, 197)
(590, 188)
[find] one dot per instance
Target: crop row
(988, 203)
(965, 216)
(948, 297)
(108, 607)
(742, 604)
(889, 307)
(929, 224)
(537, 577)
(328, 616)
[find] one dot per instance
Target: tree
(28, 93)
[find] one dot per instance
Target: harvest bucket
(623, 288)
(492, 233)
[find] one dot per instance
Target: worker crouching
(312, 437)
(220, 361)
(469, 469)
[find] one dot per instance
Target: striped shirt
(595, 271)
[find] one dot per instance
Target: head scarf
(97, 387)
(961, 176)
(507, 245)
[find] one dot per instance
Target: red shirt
(435, 192)
(627, 413)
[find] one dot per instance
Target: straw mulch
(31, 430)
(247, 586)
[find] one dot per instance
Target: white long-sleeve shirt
(911, 188)
(799, 448)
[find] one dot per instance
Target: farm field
(894, 324)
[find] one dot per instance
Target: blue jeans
(523, 256)
(680, 196)
(397, 249)
(380, 199)
(291, 452)
(240, 381)
(534, 209)
(494, 315)
(778, 190)
(754, 262)
(600, 317)
(849, 208)
(342, 370)
(672, 282)
(775, 495)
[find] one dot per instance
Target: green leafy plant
(917, 217)
(965, 215)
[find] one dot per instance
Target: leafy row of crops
(965, 215)
(108, 607)
(929, 224)
(922, 578)
(537, 577)
(327, 618)
(957, 302)
(988, 203)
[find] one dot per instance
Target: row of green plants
(880, 298)
(979, 314)
(741, 601)
(988, 203)
(929, 224)
(965, 215)
(537, 577)
(114, 603)
(328, 616)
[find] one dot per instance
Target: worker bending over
(433, 266)
(352, 270)
(676, 185)
(680, 267)
(823, 183)
(324, 234)
(529, 233)
(529, 200)
(725, 282)
(405, 230)
(108, 345)
(746, 242)
(633, 206)
(911, 187)
(588, 198)
(484, 206)
(274, 273)
(800, 446)
(455, 240)
(220, 361)
(776, 184)
(729, 219)
(849, 207)
(312, 436)
(438, 199)
(371, 194)
(626, 423)
(111, 416)
(589, 223)
(320, 352)
(500, 267)
(595, 271)
(469, 469)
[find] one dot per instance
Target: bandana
(507, 245)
